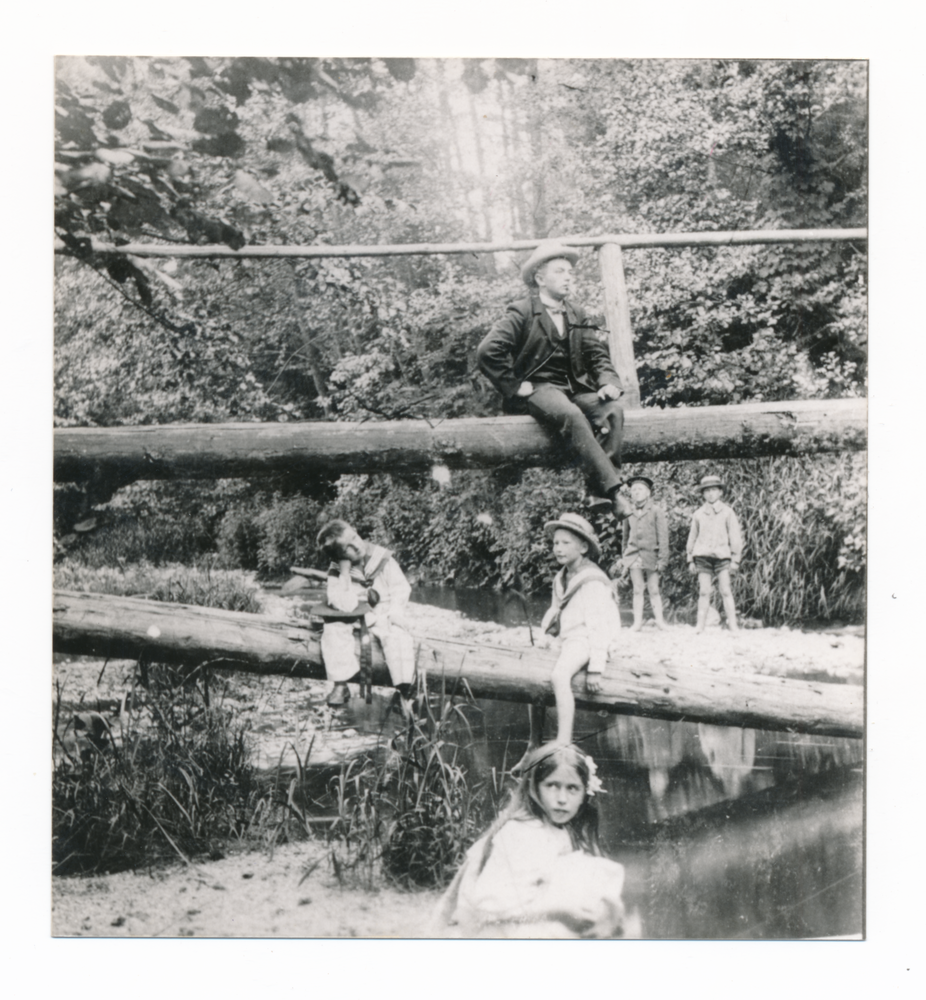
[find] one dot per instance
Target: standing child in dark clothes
(715, 547)
(645, 549)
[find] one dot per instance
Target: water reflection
(508, 608)
(724, 832)
(783, 863)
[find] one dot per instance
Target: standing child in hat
(715, 547)
(548, 359)
(645, 550)
(583, 616)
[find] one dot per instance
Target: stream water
(725, 833)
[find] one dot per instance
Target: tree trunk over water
(106, 626)
(212, 451)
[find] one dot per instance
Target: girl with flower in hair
(538, 871)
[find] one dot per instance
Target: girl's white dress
(533, 884)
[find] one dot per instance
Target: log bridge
(105, 458)
(119, 455)
(105, 626)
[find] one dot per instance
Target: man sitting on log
(366, 591)
(548, 359)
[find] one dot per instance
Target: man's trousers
(591, 427)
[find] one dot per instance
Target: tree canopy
(244, 151)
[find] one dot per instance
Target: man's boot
(623, 507)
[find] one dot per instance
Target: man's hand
(733, 568)
(609, 392)
(593, 683)
(525, 389)
(691, 567)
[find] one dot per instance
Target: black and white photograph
(460, 498)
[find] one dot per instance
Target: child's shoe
(340, 695)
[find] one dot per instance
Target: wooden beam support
(119, 455)
(625, 240)
(106, 626)
(617, 311)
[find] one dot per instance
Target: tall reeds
(173, 780)
(409, 814)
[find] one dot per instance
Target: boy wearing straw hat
(715, 547)
(548, 359)
(583, 616)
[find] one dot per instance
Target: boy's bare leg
(726, 594)
(572, 658)
(639, 590)
(655, 598)
(537, 715)
(704, 600)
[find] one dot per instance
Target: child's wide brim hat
(708, 481)
(550, 250)
(641, 479)
(578, 526)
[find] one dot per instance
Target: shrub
(154, 522)
(238, 538)
(177, 783)
(412, 813)
(286, 532)
(203, 586)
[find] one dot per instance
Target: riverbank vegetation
(338, 151)
(803, 518)
(169, 775)
(240, 151)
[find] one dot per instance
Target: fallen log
(211, 451)
(106, 626)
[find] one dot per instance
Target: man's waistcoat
(524, 339)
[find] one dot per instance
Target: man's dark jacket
(521, 342)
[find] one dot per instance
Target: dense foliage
(263, 151)
(295, 151)
(803, 519)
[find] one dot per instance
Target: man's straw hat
(550, 250)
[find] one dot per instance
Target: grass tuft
(172, 780)
(410, 814)
(202, 585)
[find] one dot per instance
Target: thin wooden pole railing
(626, 241)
